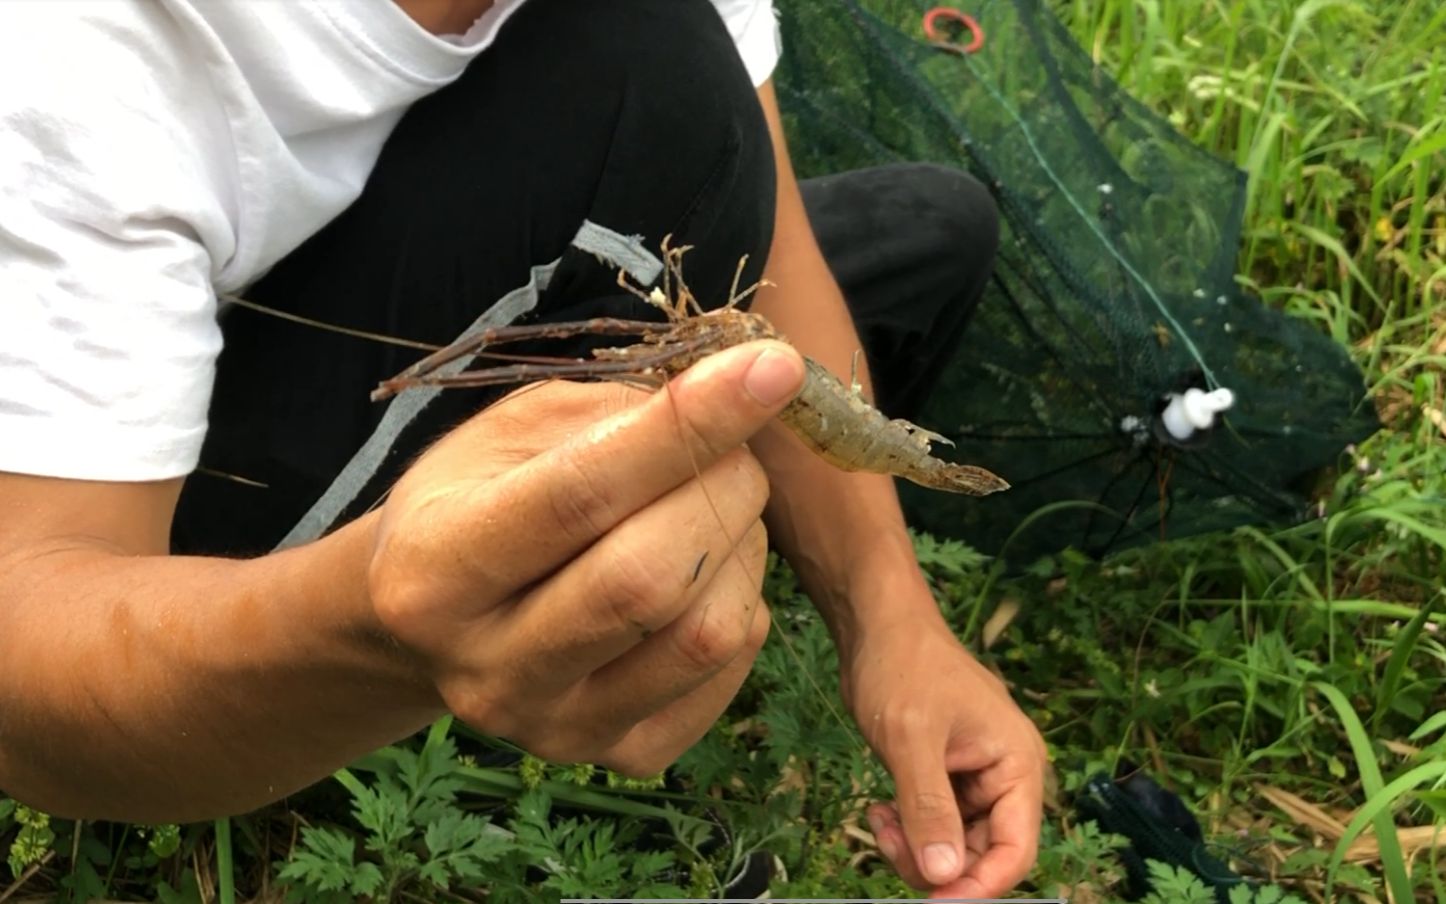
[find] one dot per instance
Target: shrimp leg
(670, 357)
(603, 326)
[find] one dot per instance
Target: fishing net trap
(1114, 329)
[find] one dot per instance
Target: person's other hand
(578, 568)
(968, 765)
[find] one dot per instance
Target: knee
(958, 223)
(937, 223)
(961, 216)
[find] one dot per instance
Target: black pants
(639, 118)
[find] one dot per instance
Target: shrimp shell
(852, 435)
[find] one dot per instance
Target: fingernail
(940, 862)
(772, 378)
(876, 825)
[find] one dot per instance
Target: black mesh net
(1114, 286)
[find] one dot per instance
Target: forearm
(844, 537)
(842, 532)
(161, 688)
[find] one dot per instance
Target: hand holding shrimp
(565, 581)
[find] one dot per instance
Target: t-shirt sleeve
(108, 221)
(755, 30)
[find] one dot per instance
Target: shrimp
(832, 420)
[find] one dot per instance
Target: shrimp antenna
(673, 273)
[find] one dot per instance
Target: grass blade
(225, 863)
(1430, 726)
(1400, 656)
(1377, 811)
(1393, 862)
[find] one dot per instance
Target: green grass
(1307, 660)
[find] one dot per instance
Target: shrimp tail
(967, 479)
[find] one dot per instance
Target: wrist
(347, 555)
(882, 590)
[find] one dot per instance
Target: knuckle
(478, 708)
(619, 765)
(618, 398)
(637, 589)
(905, 721)
(741, 479)
(742, 571)
(755, 547)
(551, 749)
(584, 504)
(745, 467)
(574, 744)
(636, 765)
(728, 499)
(932, 805)
(603, 736)
(397, 597)
(755, 479)
(699, 435)
(758, 630)
(716, 641)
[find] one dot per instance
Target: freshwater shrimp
(831, 419)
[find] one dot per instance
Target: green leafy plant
(414, 833)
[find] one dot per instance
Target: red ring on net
(965, 20)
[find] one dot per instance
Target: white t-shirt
(153, 154)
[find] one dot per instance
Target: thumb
(930, 812)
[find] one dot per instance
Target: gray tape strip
(623, 251)
(401, 411)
